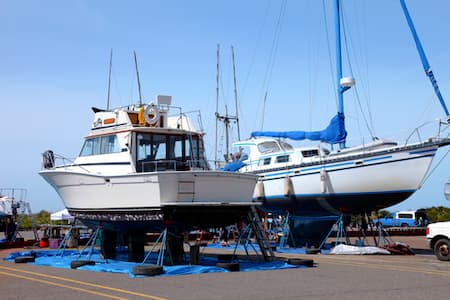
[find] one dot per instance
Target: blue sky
(54, 67)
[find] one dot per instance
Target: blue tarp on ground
(252, 246)
(53, 258)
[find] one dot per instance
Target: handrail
(49, 160)
(416, 131)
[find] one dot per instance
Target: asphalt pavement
(420, 276)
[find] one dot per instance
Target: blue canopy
(335, 132)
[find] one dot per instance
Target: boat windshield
(100, 145)
(159, 152)
(268, 147)
(286, 146)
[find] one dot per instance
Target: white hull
(391, 174)
(150, 191)
(348, 184)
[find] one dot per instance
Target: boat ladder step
(260, 234)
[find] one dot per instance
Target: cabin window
(159, 152)
(286, 147)
(195, 152)
(152, 147)
(268, 147)
(310, 153)
(100, 145)
(177, 143)
(265, 161)
(283, 158)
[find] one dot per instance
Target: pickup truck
(438, 236)
(410, 218)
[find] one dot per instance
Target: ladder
(260, 234)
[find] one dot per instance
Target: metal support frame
(245, 239)
(64, 242)
(286, 233)
(341, 233)
(162, 239)
(91, 244)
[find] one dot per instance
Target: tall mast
(343, 84)
(226, 119)
(235, 95)
(340, 90)
(109, 78)
(226, 122)
(216, 162)
(423, 57)
(139, 82)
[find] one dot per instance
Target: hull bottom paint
(318, 205)
(155, 220)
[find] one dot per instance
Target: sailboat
(349, 180)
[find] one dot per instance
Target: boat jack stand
(286, 233)
(162, 241)
(244, 239)
(341, 233)
(91, 244)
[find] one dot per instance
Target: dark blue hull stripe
(424, 151)
(329, 196)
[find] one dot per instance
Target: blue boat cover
(335, 132)
(60, 259)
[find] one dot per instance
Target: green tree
(438, 214)
(26, 223)
(42, 217)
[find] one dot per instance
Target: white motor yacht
(145, 163)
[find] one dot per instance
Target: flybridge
(144, 116)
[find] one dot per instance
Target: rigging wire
(313, 71)
(253, 57)
(272, 55)
(258, 41)
(330, 59)
(435, 167)
(366, 64)
(352, 74)
(358, 56)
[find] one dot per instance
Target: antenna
(139, 82)
(109, 77)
